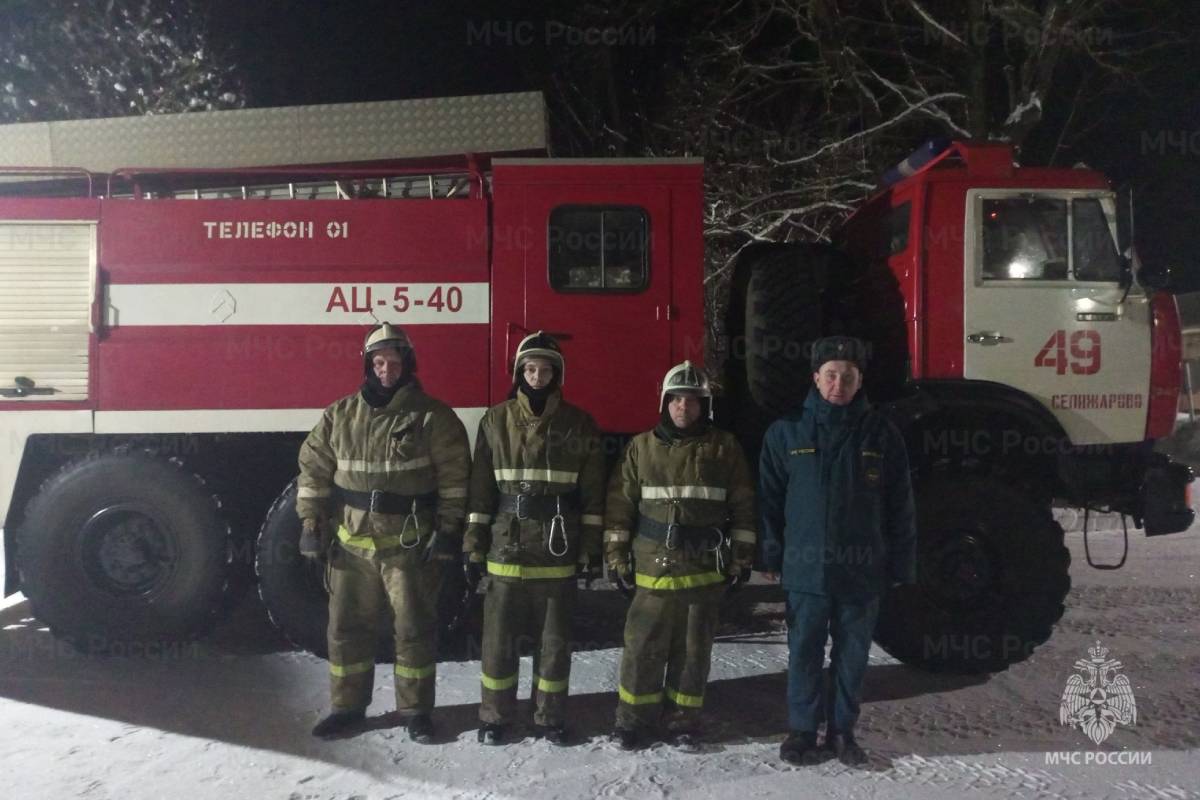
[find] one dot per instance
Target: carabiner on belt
(718, 549)
(557, 522)
(672, 525)
(411, 517)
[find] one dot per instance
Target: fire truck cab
(1024, 358)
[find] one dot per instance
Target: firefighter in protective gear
(384, 475)
(680, 520)
(535, 514)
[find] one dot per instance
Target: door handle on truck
(988, 338)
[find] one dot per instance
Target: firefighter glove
(737, 578)
(441, 547)
(473, 572)
(314, 539)
(620, 575)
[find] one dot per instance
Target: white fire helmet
(383, 336)
(539, 345)
(686, 378)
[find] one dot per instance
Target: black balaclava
(375, 393)
(667, 431)
(537, 397)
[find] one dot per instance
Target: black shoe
(800, 747)
(491, 734)
(554, 734)
(845, 748)
(627, 738)
(338, 722)
(685, 741)
(420, 728)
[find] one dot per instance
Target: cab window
(1047, 239)
(598, 248)
(1093, 253)
(1025, 239)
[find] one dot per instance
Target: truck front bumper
(1166, 496)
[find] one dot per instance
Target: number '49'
(1084, 358)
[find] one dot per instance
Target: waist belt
(673, 535)
(542, 507)
(381, 502)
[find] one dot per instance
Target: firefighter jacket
(701, 487)
(556, 464)
(412, 451)
(836, 501)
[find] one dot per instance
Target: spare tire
(993, 573)
(124, 548)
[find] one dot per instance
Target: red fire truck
(168, 335)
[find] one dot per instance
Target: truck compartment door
(47, 293)
(598, 271)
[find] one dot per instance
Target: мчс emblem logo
(1098, 698)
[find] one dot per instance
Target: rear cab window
(598, 249)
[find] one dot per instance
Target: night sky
(304, 51)
(300, 51)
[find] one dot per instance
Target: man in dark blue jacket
(838, 528)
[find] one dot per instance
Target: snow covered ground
(229, 716)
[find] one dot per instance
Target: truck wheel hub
(126, 551)
(963, 569)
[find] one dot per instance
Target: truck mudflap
(1166, 496)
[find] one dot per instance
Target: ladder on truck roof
(337, 133)
(389, 149)
(301, 183)
(450, 180)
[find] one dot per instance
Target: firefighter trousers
(360, 592)
(536, 613)
(671, 633)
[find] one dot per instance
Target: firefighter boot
(338, 722)
(800, 747)
(554, 734)
(627, 738)
(420, 728)
(684, 741)
(492, 734)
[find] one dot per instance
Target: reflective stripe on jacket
(414, 445)
(699, 482)
(557, 453)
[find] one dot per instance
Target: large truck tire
(782, 319)
(993, 573)
(293, 588)
(774, 314)
(124, 548)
